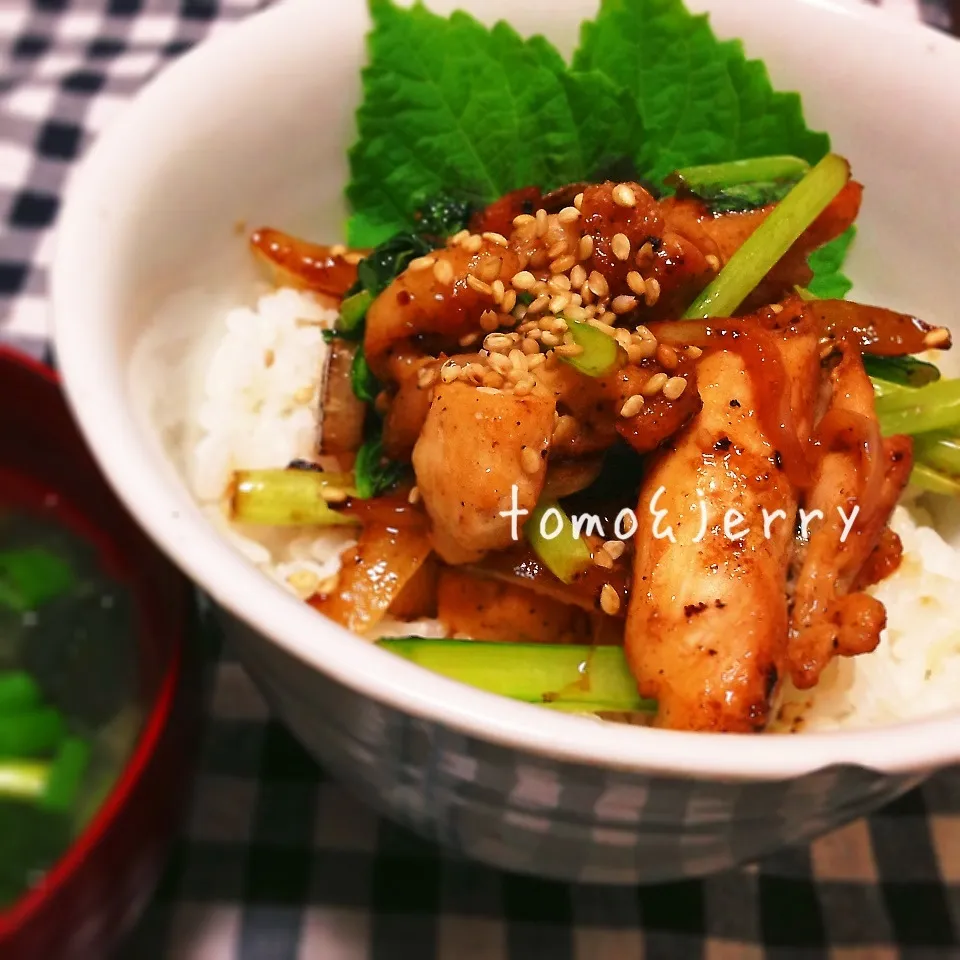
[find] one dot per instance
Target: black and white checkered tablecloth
(279, 863)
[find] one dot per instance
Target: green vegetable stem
(290, 497)
(565, 677)
(565, 555)
(601, 353)
(764, 248)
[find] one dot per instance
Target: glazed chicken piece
(474, 447)
(862, 475)
(707, 623)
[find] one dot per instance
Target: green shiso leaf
(829, 281)
(451, 103)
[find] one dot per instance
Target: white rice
(260, 409)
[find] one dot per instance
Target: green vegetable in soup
(18, 692)
(31, 576)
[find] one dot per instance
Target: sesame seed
(478, 286)
(694, 353)
(522, 219)
(568, 215)
(644, 333)
(603, 559)
(493, 391)
(644, 252)
(425, 377)
(498, 238)
(458, 238)
(541, 218)
(585, 247)
(578, 201)
(667, 356)
(530, 460)
(623, 304)
(557, 250)
(474, 372)
(615, 548)
(535, 360)
(498, 291)
(568, 350)
(622, 337)
(489, 321)
(620, 245)
(422, 263)
(519, 311)
(414, 495)
(497, 342)
(674, 387)
(469, 339)
(565, 429)
(443, 272)
(549, 339)
(523, 280)
(597, 283)
(776, 308)
(575, 311)
(529, 347)
(489, 269)
(473, 243)
(609, 600)
(333, 494)
(654, 385)
(518, 359)
(559, 283)
(539, 304)
(578, 277)
(636, 284)
(509, 300)
(623, 196)
(450, 371)
(936, 338)
(500, 363)
(637, 353)
(492, 380)
(559, 303)
(524, 386)
(713, 262)
(563, 264)
(602, 327)
(653, 291)
(338, 250)
(304, 583)
(632, 406)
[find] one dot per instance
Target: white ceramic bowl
(253, 127)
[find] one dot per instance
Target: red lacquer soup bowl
(101, 689)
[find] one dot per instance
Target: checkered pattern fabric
(279, 863)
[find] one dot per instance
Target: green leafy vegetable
(374, 473)
(449, 103)
(389, 259)
(18, 692)
(30, 577)
(66, 775)
(444, 214)
(563, 676)
(365, 384)
(829, 282)
(739, 185)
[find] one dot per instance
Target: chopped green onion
(279, 498)
(601, 353)
(24, 780)
(765, 247)
(365, 385)
(66, 775)
(18, 692)
(32, 733)
(736, 172)
(564, 554)
(913, 410)
(905, 371)
(563, 676)
(353, 310)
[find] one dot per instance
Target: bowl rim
(94, 384)
(34, 900)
